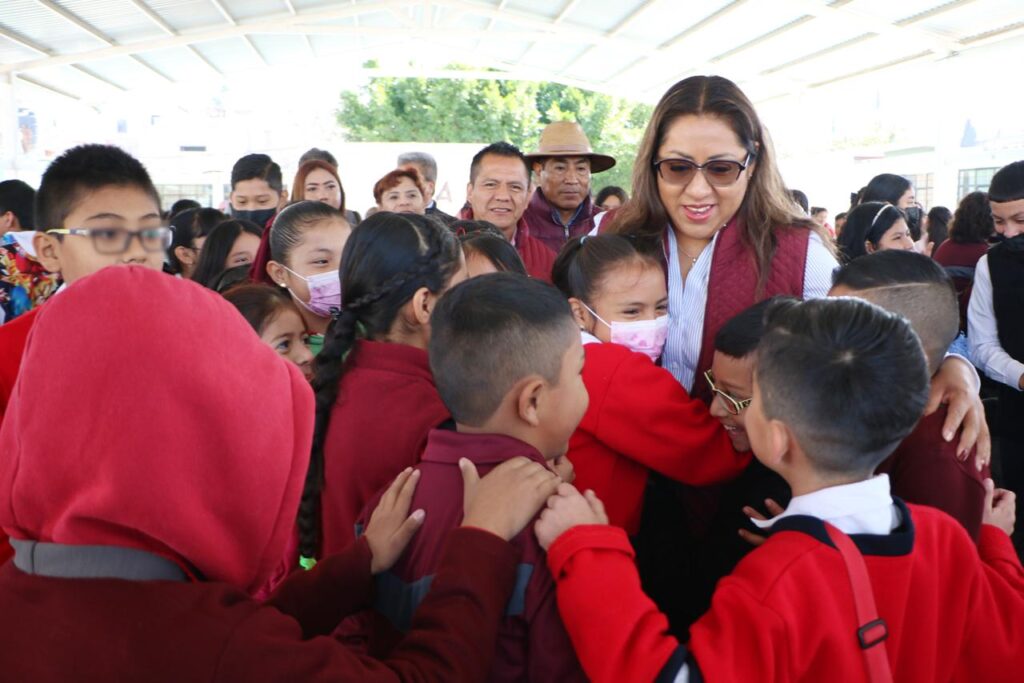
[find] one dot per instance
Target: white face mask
(642, 336)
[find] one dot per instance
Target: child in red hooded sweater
(640, 418)
(96, 207)
(143, 523)
(838, 384)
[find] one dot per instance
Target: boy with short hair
(504, 403)
(257, 189)
(96, 206)
(837, 385)
(925, 468)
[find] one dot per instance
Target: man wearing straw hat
(562, 207)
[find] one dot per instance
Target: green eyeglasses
(117, 240)
(733, 405)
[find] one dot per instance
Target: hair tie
(307, 563)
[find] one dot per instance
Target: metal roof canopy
(88, 49)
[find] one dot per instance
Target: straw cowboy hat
(567, 139)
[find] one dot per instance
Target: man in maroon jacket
(498, 190)
(561, 207)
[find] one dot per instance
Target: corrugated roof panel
(282, 49)
(179, 63)
(665, 20)
(229, 54)
(72, 80)
(242, 10)
(117, 19)
(863, 55)
(461, 20)
(604, 15)
(806, 38)
(46, 27)
(326, 46)
(550, 55)
(11, 52)
(887, 10)
(745, 23)
(544, 9)
(185, 15)
(125, 71)
(975, 18)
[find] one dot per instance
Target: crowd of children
(293, 444)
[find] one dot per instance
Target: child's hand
(955, 384)
(774, 509)
(563, 468)
(567, 509)
(391, 527)
(507, 498)
(1000, 507)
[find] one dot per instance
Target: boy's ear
(580, 315)
(779, 442)
(6, 221)
(276, 272)
(529, 397)
(48, 250)
(868, 247)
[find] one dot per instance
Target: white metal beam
(248, 41)
(170, 30)
(30, 44)
(51, 88)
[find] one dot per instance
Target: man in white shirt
(995, 317)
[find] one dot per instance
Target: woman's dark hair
(866, 222)
(496, 249)
(188, 225)
(938, 225)
(885, 187)
(766, 205)
(386, 260)
(259, 304)
(610, 191)
(972, 222)
(217, 248)
(464, 228)
(586, 260)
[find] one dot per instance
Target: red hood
(147, 414)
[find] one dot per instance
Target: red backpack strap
(872, 631)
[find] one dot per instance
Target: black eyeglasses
(117, 240)
(718, 172)
(733, 405)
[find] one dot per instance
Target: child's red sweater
(640, 419)
(786, 613)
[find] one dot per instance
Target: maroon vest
(732, 285)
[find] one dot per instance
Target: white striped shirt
(687, 301)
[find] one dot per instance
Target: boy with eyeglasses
(96, 207)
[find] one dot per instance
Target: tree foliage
(481, 110)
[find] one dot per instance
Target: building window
(172, 193)
(924, 187)
(975, 180)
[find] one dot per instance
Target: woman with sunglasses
(705, 184)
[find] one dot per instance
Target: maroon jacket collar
(387, 357)
(446, 446)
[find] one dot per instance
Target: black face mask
(257, 216)
(914, 215)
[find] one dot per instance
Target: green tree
(481, 110)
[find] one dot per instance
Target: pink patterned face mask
(643, 336)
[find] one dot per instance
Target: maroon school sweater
(532, 643)
(924, 470)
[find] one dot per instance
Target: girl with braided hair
(375, 395)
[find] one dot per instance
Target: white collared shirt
(983, 333)
(864, 507)
(688, 301)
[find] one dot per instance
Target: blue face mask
(257, 216)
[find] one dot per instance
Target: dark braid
(386, 260)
